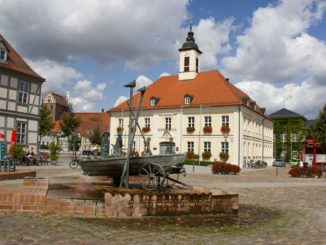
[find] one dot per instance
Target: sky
(274, 50)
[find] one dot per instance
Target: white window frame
(21, 133)
(168, 123)
(225, 120)
(153, 102)
(208, 121)
(207, 146)
(191, 121)
(283, 137)
(147, 122)
(120, 123)
(191, 146)
(3, 54)
(294, 137)
(225, 146)
(187, 100)
(23, 92)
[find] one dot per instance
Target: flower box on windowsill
(208, 129)
(119, 129)
(225, 129)
(190, 130)
(146, 129)
(206, 155)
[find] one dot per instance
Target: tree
(318, 129)
(45, 123)
(69, 125)
(96, 137)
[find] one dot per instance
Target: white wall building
(178, 108)
(20, 90)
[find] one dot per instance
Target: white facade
(250, 137)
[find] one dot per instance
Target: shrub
(198, 163)
(208, 129)
(146, 129)
(190, 155)
(54, 148)
(206, 155)
(190, 130)
(44, 147)
(224, 156)
(225, 168)
(16, 152)
(309, 172)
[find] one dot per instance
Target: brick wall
(32, 197)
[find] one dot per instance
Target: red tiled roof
(89, 121)
(16, 63)
(209, 88)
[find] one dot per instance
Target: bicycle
(74, 163)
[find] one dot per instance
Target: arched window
(186, 66)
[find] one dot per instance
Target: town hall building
(200, 112)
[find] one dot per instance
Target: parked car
(294, 163)
(279, 163)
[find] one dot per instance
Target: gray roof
(285, 113)
(190, 42)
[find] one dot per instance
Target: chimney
(102, 110)
(263, 110)
(227, 79)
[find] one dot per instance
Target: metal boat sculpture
(153, 170)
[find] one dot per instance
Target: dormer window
(3, 52)
(154, 101)
(188, 98)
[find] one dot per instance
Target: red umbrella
(13, 139)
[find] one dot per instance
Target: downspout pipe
(239, 141)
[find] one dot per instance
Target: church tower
(189, 57)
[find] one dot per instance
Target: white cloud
(141, 32)
(120, 100)
(304, 98)
(57, 76)
(276, 47)
(164, 74)
(212, 39)
(85, 96)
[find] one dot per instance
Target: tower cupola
(189, 57)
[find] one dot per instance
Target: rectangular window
(191, 122)
(225, 147)
(23, 92)
(168, 123)
(294, 137)
(190, 146)
(207, 146)
(186, 67)
(21, 133)
(3, 55)
(225, 120)
(120, 123)
(283, 137)
(187, 100)
(147, 122)
(208, 121)
(153, 102)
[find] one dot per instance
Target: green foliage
(45, 123)
(74, 143)
(224, 156)
(320, 126)
(54, 148)
(69, 126)
(206, 155)
(44, 147)
(96, 137)
(17, 152)
(198, 163)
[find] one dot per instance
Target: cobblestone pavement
(299, 203)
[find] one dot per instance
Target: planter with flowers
(119, 129)
(146, 129)
(208, 129)
(190, 130)
(225, 129)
